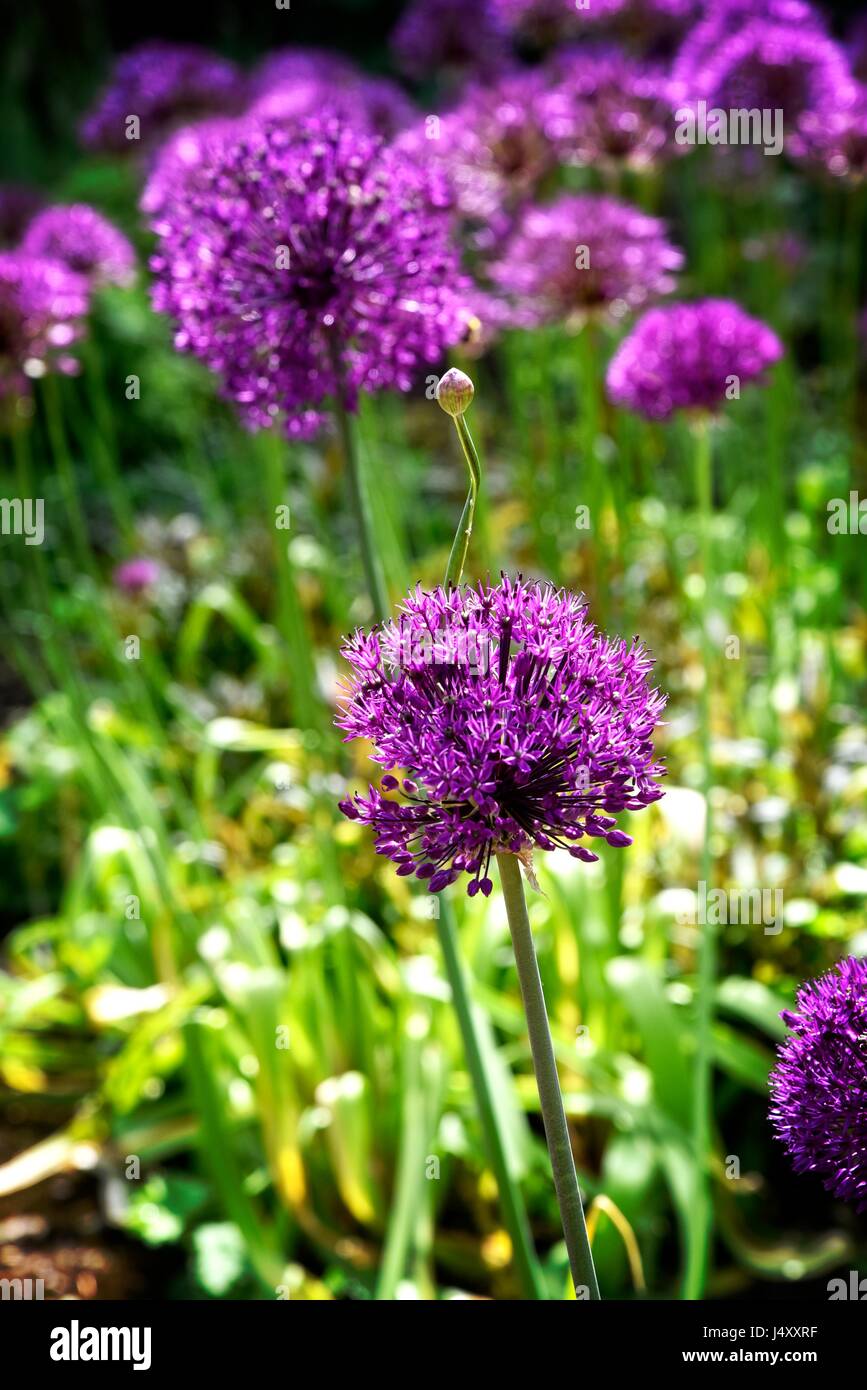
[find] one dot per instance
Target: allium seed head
(819, 1085)
(512, 722)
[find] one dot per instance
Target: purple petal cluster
(85, 241)
(684, 356)
(610, 109)
(292, 260)
(512, 723)
(284, 66)
(42, 304)
(819, 1086)
(493, 149)
(769, 65)
(136, 575)
(436, 34)
(374, 105)
(585, 254)
(164, 85)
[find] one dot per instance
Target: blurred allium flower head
(164, 85)
(42, 304)
(512, 722)
(83, 240)
(18, 204)
(290, 261)
(180, 155)
(584, 255)
(136, 575)
(768, 65)
(549, 21)
(493, 149)
(686, 356)
(819, 1086)
(374, 105)
(720, 22)
(436, 34)
(608, 108)
(283, 66)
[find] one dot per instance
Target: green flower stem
(698, 1264)
(374, 578)
(545, 1067)
(511, 1202)
(461, 544)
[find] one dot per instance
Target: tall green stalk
(695, 1278)
(545, 1067)
(373, 575)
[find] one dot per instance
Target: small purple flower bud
(455, 392)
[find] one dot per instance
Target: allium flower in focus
(685, 357)
(610, 109)
(42, 304)
(284, 256)
(819, 1085)
(436, 34)
(584, 255)
(512, 722)
(136, 575)
(85, 241)
(18, 205)
(164, 85)
(772, 66)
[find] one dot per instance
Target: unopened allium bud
(455, 392)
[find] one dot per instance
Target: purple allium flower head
(18, 204)
(550, 21)
(608, 108)
(42, 304)
(771, 66)
(514, 725)
(836, 143)
(684, 356)
(585, 254)
(284, 66)
(720, 22)
(819, 1085)
(85, 241)
(164, 85)
(437, 34)
(180, 155)
(492, 148)
(374, 105)
(136, 575)
(284, 253)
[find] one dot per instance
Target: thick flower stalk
(584, 256)
(505, 723)
(819, 1086)
(690, 357)
(164, 85)
(85, 241)
(42, 306)
(303, 267)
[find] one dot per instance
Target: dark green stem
(373, 575)
(547, 1081)
(697, 1266)
(461, 543)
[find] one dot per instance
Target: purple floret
(42, 304)
(584, 255)
(819, 1086)
(83, 240)
(287, 259)
(512, 722)
(685, 357)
